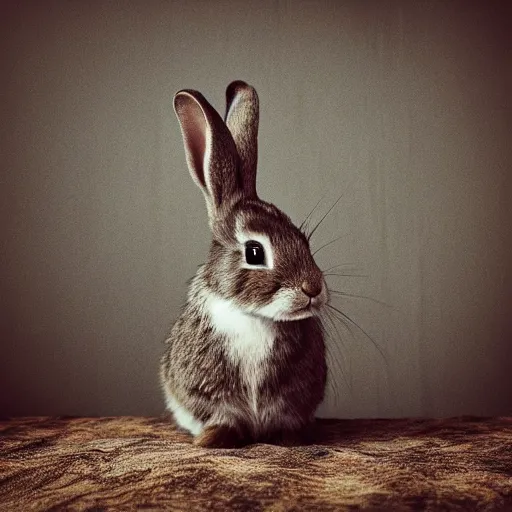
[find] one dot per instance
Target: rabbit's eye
(254, 253)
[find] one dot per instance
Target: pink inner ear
(193, 125)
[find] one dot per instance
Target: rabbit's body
(245, 361)
(266, 377)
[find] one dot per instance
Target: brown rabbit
(245, 361)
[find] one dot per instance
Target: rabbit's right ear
(211, 153)
(242, 119)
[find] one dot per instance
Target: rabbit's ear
(242, 117)
(211, 153)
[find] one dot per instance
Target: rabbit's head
(259, 261)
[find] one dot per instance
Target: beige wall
(401, 106)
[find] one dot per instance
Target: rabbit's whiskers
(340, 265)
(326, 245)
(336, 356)
(317, 225)
(356, 296)
(349, 323)
(305, 223)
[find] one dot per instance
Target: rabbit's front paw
(221, 436)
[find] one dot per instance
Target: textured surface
(129, 462)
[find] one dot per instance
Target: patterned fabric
(131, 463)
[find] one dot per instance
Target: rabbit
(245, 362)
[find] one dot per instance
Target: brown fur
(205, 379)
(196, 370)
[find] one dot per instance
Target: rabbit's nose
(311, 289)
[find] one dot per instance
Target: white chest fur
(249, 342)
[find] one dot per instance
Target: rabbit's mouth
(298, 314)
(290, 315)
(309, 310)
(290, 304)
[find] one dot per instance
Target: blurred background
(403, 108)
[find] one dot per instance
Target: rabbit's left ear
(211, 153)
(242, 118)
